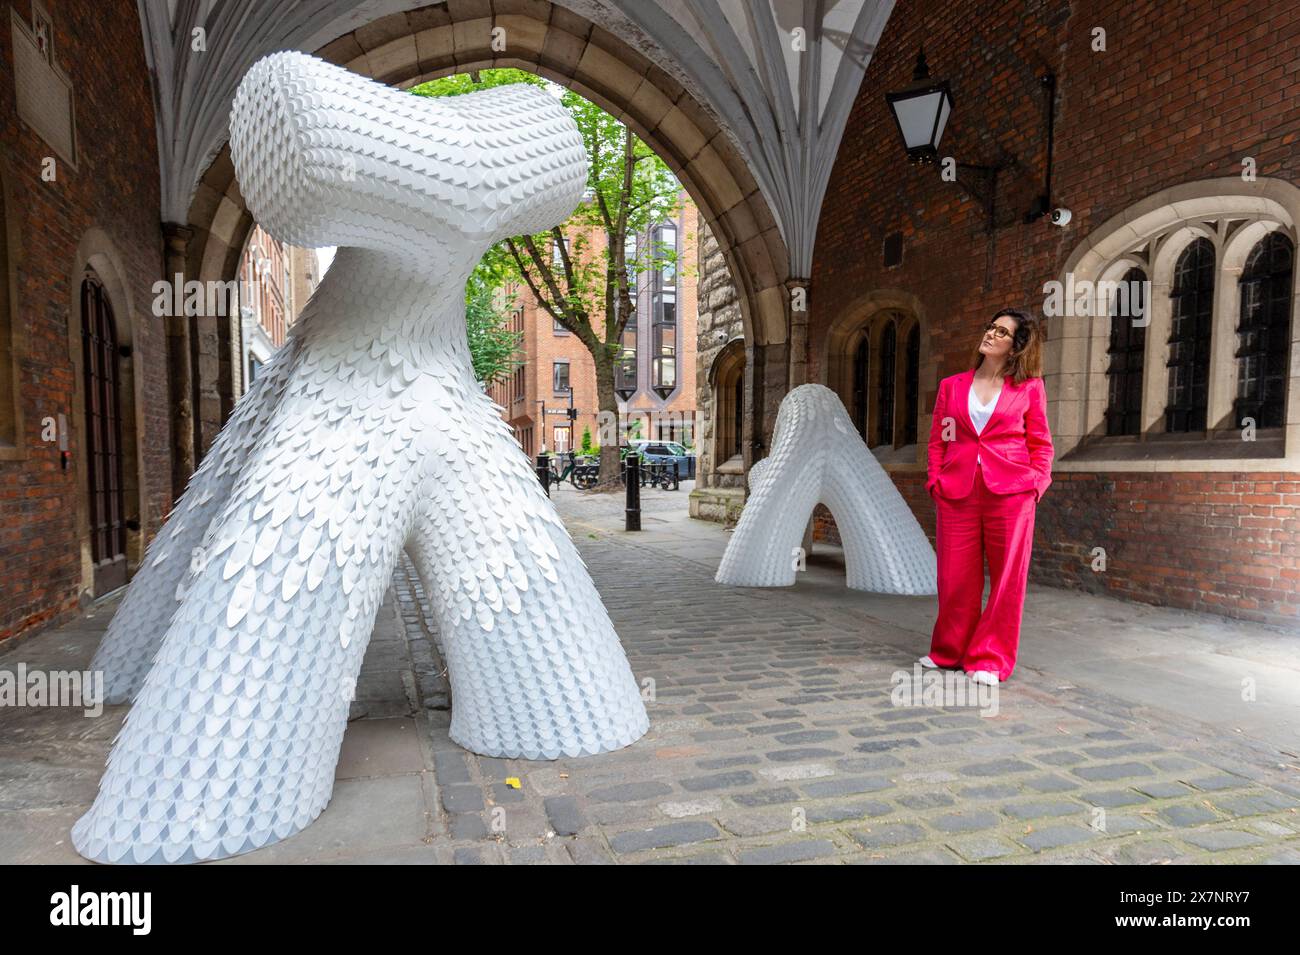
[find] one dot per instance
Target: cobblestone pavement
(773, 738)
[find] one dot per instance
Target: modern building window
(1264, 333)
(666, 241)
(663, 320)
(560, 377)
(1189, 338)
(557, 327)
(562, 439)
(625, 373)
(1127, 353)
(665, 356)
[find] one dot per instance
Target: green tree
(493, 347)
(585, 286)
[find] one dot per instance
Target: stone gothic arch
(438, 40)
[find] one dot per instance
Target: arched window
(1192, 299)
(1217, 334)
(1264, 333)
(873, 364)
(1127, 351)
(912, 384)
(103, 436)
(886, 379)
(861, 363)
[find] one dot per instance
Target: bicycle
(660, 474)
(581, 476)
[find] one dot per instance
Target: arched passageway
(440, 40)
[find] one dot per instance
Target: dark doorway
(103, 438)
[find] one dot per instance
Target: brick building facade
(275, 282)
(554, 360)
(83, 243)
(1177, 144)
(1175, 149)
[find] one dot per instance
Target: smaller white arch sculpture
(819, 457)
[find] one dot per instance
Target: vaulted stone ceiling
(778, 76)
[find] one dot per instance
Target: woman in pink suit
(990, 460)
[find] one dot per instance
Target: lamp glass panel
(916, 117)
(945, 110)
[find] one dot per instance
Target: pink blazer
(1015, 447)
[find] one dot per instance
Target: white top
(980, 414)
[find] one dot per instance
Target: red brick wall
(116, 189)
(1183, 92)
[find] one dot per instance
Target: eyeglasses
(999, 331)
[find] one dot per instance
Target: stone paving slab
(774, 738)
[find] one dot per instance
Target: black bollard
(633, 520)
(544, 473)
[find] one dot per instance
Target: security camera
(1061, 216)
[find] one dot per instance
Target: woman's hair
(1025, 360)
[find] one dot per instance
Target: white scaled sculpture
(819, 457)
(242, 635)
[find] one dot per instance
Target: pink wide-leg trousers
(1001, 527)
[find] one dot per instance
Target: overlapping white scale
(271, 725)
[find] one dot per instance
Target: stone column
(180, 372)
(797, 308)
(797, 295)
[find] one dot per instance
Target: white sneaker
(928, 663)
(985, 676)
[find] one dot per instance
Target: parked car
(667, 452)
